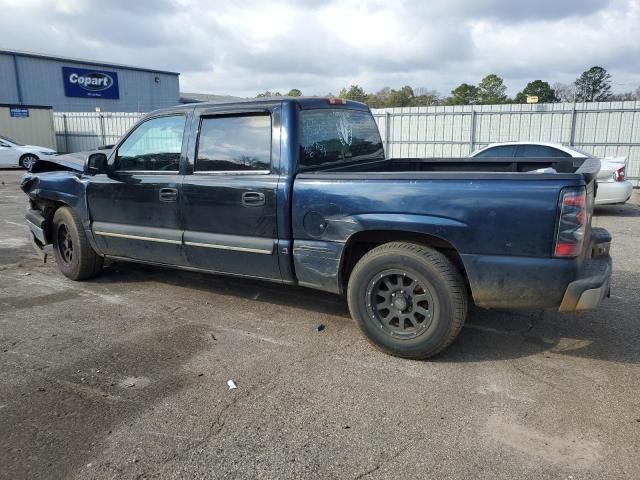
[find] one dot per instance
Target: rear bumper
(591, 288)
(531, 283)
(613, 192)
(594, 277)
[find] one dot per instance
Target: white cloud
(244, 47)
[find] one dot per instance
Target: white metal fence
(600, 128)
(79, 131)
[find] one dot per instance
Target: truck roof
(303, 103)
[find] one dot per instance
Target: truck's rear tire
(408, 299)
(75, 257)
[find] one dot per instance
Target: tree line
(593, 85)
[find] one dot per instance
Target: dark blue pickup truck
(299, 191)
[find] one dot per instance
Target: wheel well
(362, 242)
(28, 155)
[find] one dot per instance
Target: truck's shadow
(606, 333)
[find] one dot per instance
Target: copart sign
(80, 82)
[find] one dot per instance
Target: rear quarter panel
(502, 227)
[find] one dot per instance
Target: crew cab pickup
(299, 191)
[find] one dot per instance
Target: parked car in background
(299, 191)
(14, 154)
(612, 186)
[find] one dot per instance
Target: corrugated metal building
(28, 124)
(74, 85)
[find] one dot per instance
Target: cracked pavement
(125, 376)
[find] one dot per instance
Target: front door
(135, 207)
(229, 201)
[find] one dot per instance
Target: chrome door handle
(168, 195)
(253, 199)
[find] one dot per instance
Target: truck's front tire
(408, 299)
(75, 257)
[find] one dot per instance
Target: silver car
(612, 186)
(14, 154)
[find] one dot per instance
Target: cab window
(154, 146)
(331, 137)
(234, 143)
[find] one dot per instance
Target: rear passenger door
(229, 196)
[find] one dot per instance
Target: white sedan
(612, 187)
(14, 154)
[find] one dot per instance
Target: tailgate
(589, 171)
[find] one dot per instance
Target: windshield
(11, 140)
(335, 136)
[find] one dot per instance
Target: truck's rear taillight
(619, 175)
(571, 224)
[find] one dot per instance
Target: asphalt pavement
(125, 377)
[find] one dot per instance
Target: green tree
(355, 92)
(540, 89)
(464, 94)
(492, 90)
(294, 92)
(565, 93)
(379, 99)
(594, 85)
(621, 97)
(400, 98)
(425, 98)
(268, 94)
(404, 97)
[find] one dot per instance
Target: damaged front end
(39, 211)
(49, 184)
(72, 162)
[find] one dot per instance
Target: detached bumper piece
(594, 279)
(36, 223)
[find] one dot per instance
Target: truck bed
(497, 214)
(587, 167)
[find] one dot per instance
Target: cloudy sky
(243, 47)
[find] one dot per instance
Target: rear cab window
(331, 137)
(234, 143)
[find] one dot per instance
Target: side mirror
(97, 163)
